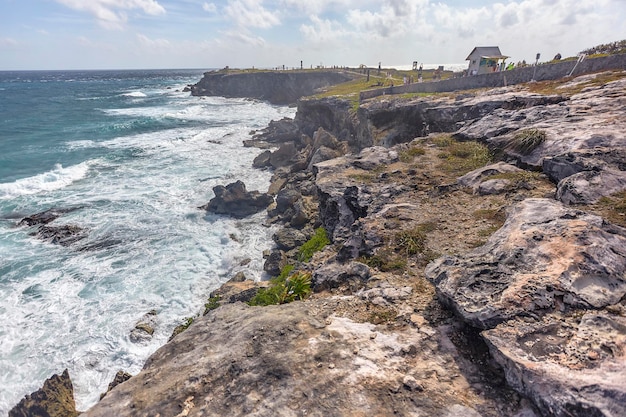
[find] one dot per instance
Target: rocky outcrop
(54, 399)
(549, 286)
(277, 87)
(546, 257)
(61, 235)
(144, 328)
(235, 201)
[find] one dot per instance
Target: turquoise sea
(132, 156)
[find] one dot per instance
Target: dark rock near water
(120, 377)
(288, 238)
(54, 399)
(61, 235)
(235, 201)
(263, 160)
(275, 262)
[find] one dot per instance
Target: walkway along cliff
(476, 266)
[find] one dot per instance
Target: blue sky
(120, 34)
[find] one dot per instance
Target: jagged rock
(545, 257)
(284, 155)
(54, 399)
(61, 235)
(588, 187)
(375, 156)
(262, 160)
(44, 217)
(321, 154)
(144, 328)
(288, 238)
(235, 201)
(275, 262)
(323, 138)
(568, 365)
(120, 377)
(474, 178)
(279, 131)
(333, 275)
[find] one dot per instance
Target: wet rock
(44, 217)
(120, 377)
(235, 201)
(546, 257)
(54, 399)
(144, 328)
(262, 160)
(568, 366)
(61, 235)
(333, 275)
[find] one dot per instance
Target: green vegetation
(613, 48)
(410, 154)
(284, 288)
(182, 327)
(462, 157)
(400, 246)
(613, 208)
(212, 304)
(313, 245)
(525, 141)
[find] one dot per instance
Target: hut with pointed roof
(484, 59)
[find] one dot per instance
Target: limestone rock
(288, 238)
(120, 377)
(275, 262)
(262, 160)
(370, 158)
(234, 200)
(568, 366)
(284, 155)
(475, 178)
(54, 399)
(144, 328)
(333, 275)
(545, 257)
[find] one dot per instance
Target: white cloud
(242, 38)
(322, 30)
(111, 13)
(8, 42)
(209, 7)
(149, 43)
(251, 14)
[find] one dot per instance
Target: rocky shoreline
(476, 266)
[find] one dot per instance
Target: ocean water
(131, 157)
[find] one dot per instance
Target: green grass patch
(462, 157)
(284, 288)
(410, 154)
(317, 242)
(212, 304)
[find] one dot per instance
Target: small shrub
(527, 140)
(410, 242)
(212, 304)
(313, 245)
(284, 288)
(181, 327)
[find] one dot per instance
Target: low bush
(284, 288)
(317, 242)
(525, 141)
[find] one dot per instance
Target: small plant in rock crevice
(317, 242)
(284, 288)
(525, 141)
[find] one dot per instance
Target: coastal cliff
(476, 266)
(276, 87)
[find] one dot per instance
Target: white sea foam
(136, 94)
(54, 179)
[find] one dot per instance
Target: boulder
(375, 156)
(288, 238)
(235, 201)
(61, 235)
(275, 262)
(474, 178)
(334, 275)
(587, 187)
(284, 155)
(54, 399)
(546, 257)
(262, 160)
(144, 328)
(321, 154)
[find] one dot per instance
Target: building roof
(487, 52)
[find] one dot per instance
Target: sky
(145, 34)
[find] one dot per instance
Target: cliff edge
(276, 87)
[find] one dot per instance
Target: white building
(485, 59)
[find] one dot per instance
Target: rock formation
(449, 288)
(54, 399)
(234, 200)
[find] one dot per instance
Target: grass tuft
(525, 141)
